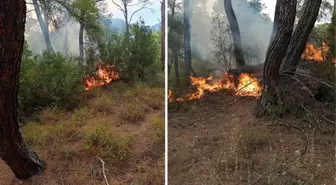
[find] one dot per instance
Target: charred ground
(218, 140)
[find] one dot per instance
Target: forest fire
(104, 75)
(247, 86)
(318, 54)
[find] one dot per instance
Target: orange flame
(104, 75)
(247, 86)
(318, 54)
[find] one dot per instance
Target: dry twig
(103, 166)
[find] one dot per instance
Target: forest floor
(218, 140)
(122, 125)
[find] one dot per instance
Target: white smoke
(255, 31)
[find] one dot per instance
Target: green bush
(137, 58)
(49, 80)
(158, 125)
(114, 149)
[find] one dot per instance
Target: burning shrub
(49, 80)
(134, 61)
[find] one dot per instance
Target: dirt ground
(218, 140)
(69, 162)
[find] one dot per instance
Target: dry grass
(209, 144)
(70, 142)
(102, 142)
(158, 125)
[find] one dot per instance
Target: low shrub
(49, 80)
(158, 125)
(112, 148)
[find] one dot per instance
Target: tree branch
(143, 6)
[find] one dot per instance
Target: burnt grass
(218, 140)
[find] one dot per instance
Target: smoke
(255, 30)
(36, 42)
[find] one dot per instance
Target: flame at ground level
(104, 75)
(247, 86)
(318, 54)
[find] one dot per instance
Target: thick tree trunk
(81, 41)
(274, 56)
(300, 36)
(332, 36)
(187, 37)
(163, 33)
(18, 156)
(176, 67)
(44, 27)
(235, 32)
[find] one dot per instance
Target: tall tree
(275, 54)
(13, 150)
(332, 35)
(300, 36)
(236, 38)
(163, 33)
(275, 23)
(124, 7)
(87, 14)
(187, 38)
(44, 25)
(175, 36)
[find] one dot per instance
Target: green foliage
(48, 80)
(111, 148)
(47, 135)
(137, 57)
(158, 125)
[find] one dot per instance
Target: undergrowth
(112, 148)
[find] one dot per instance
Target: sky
(151, 17)
(270, 7)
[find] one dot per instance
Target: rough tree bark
(300, 36)
(18, 156)
(332, 35)
(235, 32)
(163, 33)
(44, 27)
(274, 56)
(187, 47)
(174, 50)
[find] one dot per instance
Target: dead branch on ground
(103, 166)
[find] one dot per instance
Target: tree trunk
(275, 23)
(163, 33)
(81, 41)
(66, 41)
(44, 28)
(235, 32)
(176, 67)
(274, 56)
(17, 155)
(300, 36)
(332, 36)
(187, 47)
(127, 31)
